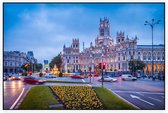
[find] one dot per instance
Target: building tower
(120, 37)
(75, 46)
(104, 27)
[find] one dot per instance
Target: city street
(143, 93)
(12, 90)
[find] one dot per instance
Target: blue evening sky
(45, 28)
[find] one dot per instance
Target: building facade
(116, 55)
(13, 60)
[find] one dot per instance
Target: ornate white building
(116, 56)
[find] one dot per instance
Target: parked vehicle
(33, 80)
(95, 75)
(49, 75)
(5, 77)
(77, 76)
(15, 77)
(128, 77)
(107, 79)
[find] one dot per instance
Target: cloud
(44, 29)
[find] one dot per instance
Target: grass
(111, 101)
(38, 98)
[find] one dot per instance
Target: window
(10, 63)
(118, 58)
(76, 67)
(118, 40)
(149, 57)
(67, 61)
(76, 61)
(154, 57)
(139, 57)
(162, 57)
(139, 53)
(6, 64)
(123, 57)
(158, 58)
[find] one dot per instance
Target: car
(107, 79)
(77, 76)
(33, 80)
(128, 77)
(15, 77)
(94, 75)
(144, 76)
(49, 75)
(5, 77)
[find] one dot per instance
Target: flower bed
(77, 97)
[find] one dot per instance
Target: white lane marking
(14, 104)
(133, 96)
(123, 99)
(155, 99)
(83, 80)
(139, 92)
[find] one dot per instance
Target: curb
(21, 99)
(124, 99)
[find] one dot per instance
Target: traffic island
(72, 97)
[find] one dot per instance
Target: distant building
(117, 56)
(46, 66)
(13, 60)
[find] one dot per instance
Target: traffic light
(104, 65)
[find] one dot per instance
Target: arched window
(154, 56)
(149, 56)
(144, 56)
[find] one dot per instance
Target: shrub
(60, 74)
(24, 74)
(41, 74)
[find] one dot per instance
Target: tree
(29, 67)
(39, 66)
(135, 65)
(26, 67)
(56, 60)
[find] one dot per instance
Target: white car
(128, 77)
(107, 79)
(49, 75)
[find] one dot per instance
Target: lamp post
(152, 24)
(102, 67)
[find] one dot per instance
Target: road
(143, 93)
(12, 90)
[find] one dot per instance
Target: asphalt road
(143, 93)
(12, 90)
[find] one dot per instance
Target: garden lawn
(111, 101)
(38, 97)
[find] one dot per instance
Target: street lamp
(152, 24)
